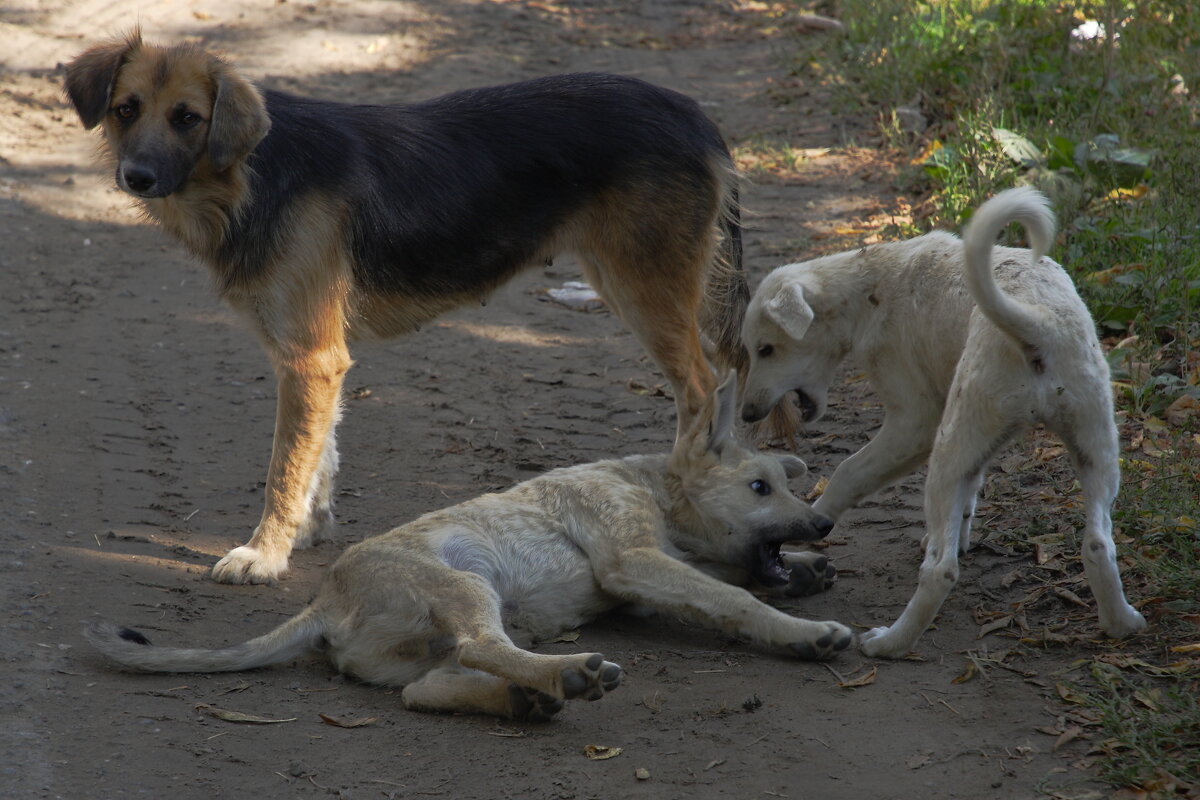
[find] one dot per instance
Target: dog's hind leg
(965, 443)
(458, 690)
(663, 317)
(968, 516)
(468, 608)
(649, 253)
(1095, 455)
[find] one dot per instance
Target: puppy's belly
(545, 583)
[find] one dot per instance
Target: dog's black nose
(823, 525)
(139, 179)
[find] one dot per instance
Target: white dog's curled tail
(130, 648)
(1031, 209)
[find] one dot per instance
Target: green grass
(1152, 728)
(1110, 130)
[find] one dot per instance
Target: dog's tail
(1029, 208)
(727, 298)
(726, 293)
(130, 648)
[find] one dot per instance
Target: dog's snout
(823, 526)
(138, 178)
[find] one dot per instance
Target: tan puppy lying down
(964, 356)
(426, 605)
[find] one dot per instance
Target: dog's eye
(761, 487)
(186, 119)
(765, 350)
(125, 111)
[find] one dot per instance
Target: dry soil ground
(135, 422)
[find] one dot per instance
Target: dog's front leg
(901, 445)
(965, 443)
(650, 577)
(303, 457)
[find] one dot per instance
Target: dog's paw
(246, 564)
(811, 573)
(1124, 622)
(591, 679)
(883, 643)
(530, 705)
(834, 638)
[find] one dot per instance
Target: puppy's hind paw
(835, 638)
(1123, 622)
(810, 573)
(592, 679)
(530, 705)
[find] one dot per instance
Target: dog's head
(165, 112)
(791, 345)
(732, 504)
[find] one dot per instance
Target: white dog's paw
(246, 564)
(883, 643)
(833, 638)
(592, 679)
(810, 573)
(530, 705)
(1127, 620)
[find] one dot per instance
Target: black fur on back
(457, 193)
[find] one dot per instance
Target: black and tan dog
(323, 222)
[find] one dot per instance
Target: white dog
(429, 605)
(964, 356)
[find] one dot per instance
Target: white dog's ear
(793, 466)
(720, 427)
(789, 310)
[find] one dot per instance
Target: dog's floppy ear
(91, 76)
(790, 310)
(793, 466)
(239, 118)
(725, 403)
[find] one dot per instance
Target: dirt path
(135, 422)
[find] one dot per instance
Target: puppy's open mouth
(808, 406)
(768, 568)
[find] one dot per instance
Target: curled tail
(1029, 208)
(293, 638)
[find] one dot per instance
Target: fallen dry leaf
(1183, 409)
(1069, 596)
(342, 722)
(1070, 695)
(1069, 735)
(642, 774)
(866, 679)
(568, 637)
(601, 752)
(995, 625)
(967, 674)
(817, 490)
(237, 716)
